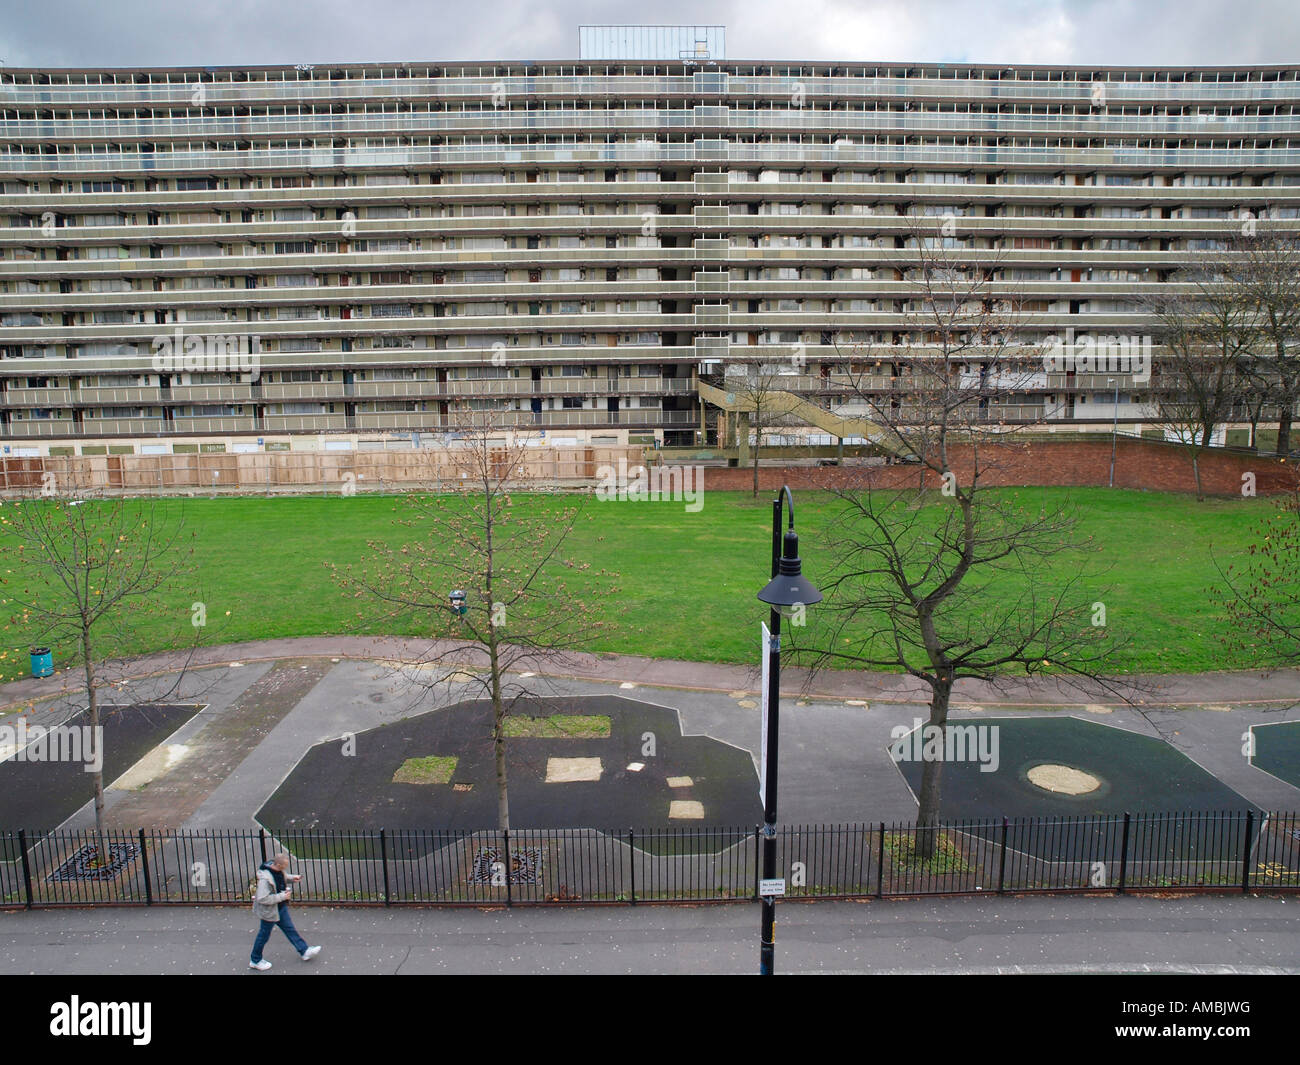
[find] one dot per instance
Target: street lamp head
(790, 588)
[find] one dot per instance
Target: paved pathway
(1236, 687)
(1034, 934)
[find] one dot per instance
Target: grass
(687, 581)
(434, 769)
(901, 848)
(559, 726)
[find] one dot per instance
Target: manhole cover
(1063, 780)
(525, 866)
(78, 866)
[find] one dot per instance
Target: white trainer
(260, 966)
(310, 953)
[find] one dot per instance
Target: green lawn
(558, 726)
(435, 769)
(687, 580)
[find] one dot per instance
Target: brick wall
(1145, 464)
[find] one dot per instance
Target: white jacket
(266, 903)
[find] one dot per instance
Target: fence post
(261, 839)
(880, 863)
(27, 869)
(631, 861)
(1002, 860)
(505, 861)
(1123, 854)
(144, 865)
(383, 858)
(1245, 854)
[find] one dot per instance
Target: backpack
(252, 886)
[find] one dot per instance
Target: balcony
(454, 85)
(301, 390)
(635, 417)
(121, 427)
(677, 386)
(576, 386)
(220, 425)
(842, 153)
(413, 420)
(118, 397)
(209, 394)
(303, 423)
(37, 397)
(488, 386)
(40, 427)
(394, 389)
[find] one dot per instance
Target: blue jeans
(286, 926)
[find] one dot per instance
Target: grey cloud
(246, 32)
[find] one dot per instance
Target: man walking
(271, 905)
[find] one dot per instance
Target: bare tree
(84, 572)
(962, 581)
(484, 534)
(1206, 333)
(1263, 271)
(1260, 593)
(758, 383)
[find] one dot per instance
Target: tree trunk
(927, 818)
(102, 853)
(499, 741)
(1284, 425)
(1196, 473)
(758, 440)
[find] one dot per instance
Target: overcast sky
(153, 33)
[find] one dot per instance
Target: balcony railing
(1087, 122)
(842, 153)
(453, 85)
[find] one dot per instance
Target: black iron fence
(1238, 851)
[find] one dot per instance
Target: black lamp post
(788, 590)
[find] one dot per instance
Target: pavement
(1239, 686)
(266, 703)
(968, 936)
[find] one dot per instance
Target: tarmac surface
(973, 936)
(265, 705)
